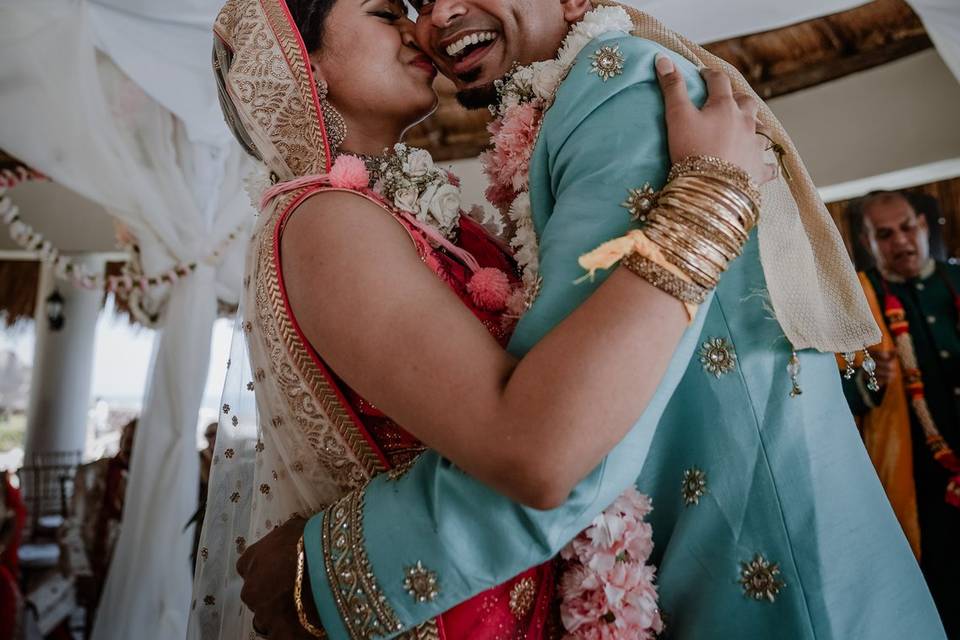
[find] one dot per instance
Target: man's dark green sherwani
(931, 311)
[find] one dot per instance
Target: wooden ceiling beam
(775, 63)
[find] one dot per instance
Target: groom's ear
(573, 10)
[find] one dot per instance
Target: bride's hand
(726, 126)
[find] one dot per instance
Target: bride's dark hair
(310, 17)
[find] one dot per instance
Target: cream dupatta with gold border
(288, 443)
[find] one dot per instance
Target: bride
(370, 302)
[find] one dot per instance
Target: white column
(62, 365)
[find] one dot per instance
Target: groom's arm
(405, 549)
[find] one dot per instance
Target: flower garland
(607, 589)
(524, 95)
(913, 383)
(66, 269)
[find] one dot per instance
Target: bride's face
(372, 65)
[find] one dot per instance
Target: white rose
(418, 163)
(523, 77)
(406, 199)
(423, 205)
(546, 79)
(445, 205)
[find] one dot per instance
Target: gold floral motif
(522, 596)
(241, 543)
(640, 202)
(250, 386)
(363, 607)
(229, 453)
(717, 356)
(226, 408)
(265, 489)
(420, 583)
(235, 496)
(607, 62)
(259, 446)
(261, 375)
(760, 579)
(694, 486)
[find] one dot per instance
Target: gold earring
(335, 125)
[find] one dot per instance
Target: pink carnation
(513, 138)
(608, 590)
(349, 172)
(500, 196)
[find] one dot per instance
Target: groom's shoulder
(613, 65)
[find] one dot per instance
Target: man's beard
(477, 97)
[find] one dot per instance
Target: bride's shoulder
(343, 218)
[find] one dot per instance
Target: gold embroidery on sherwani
(760, 579)
(363, 607)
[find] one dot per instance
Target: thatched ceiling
(775, 62)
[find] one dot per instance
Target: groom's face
(474, 42)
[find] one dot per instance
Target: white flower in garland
(524, 95)
(409, 179)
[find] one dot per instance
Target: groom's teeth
(464, 42)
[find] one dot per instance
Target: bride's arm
(393, 331)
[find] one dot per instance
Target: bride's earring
(332, 120)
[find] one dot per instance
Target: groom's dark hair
(310, 17)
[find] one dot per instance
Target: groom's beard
(477, 97)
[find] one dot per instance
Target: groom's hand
(269, 569)
(726, 127)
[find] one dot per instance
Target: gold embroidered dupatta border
(320, 381)
(353, 583)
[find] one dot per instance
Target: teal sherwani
(781, 482)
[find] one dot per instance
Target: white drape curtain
(71, 112)
(942, 21)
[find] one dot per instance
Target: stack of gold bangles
(700, 223)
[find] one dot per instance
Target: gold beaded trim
(713, 166)
(363, 607)
(662, 279)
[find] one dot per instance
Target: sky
(122, 357)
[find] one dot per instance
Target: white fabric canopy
(139, 131)
(73, 114)
(942, 21)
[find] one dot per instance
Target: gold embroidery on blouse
(522, 597)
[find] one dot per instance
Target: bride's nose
(406, 35)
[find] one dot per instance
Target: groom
(768, 521)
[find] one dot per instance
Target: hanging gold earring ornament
(793, 368)
(849, 357)
(333, 122)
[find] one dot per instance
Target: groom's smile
(475, 42)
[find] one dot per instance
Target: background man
(916, 410)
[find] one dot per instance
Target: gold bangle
(719, 169)
(298, 596)
(656, 275)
